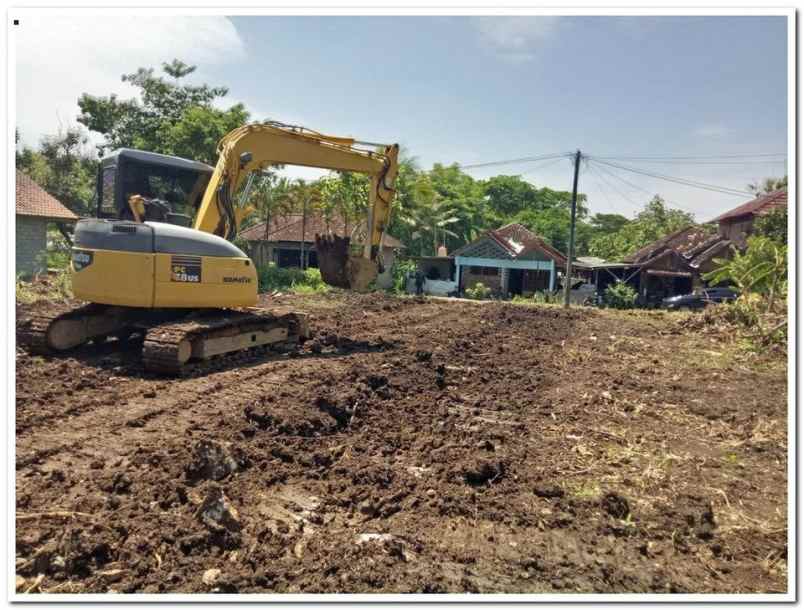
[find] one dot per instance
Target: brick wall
(31, 244)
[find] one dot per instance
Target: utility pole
(571, 253)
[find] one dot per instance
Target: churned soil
(412, 446)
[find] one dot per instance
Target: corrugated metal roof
(33, 200)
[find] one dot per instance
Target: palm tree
(304, 197)
(430, 215)
(267, 197)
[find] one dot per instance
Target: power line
(683, 162)
(614, 188)
(519, 160)
(542, 166)
(691, 157)
(647, 192)
(683, 181)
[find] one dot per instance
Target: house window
(483, 270)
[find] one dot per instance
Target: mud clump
(211, 461)
(119, 483)
(81, 552)
(483, 472)
(548, 491)
(217, 512)
(706, 525)
(615, 505)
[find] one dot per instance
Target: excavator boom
(253, 147)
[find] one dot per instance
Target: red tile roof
(758, 206)
(33, 200)
(692, 244)
(289, 228)
(518, 241)
(682, 241)
(530, 241)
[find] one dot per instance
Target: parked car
(699, 300)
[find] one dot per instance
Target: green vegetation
(58, 250)
(24, 291)
(65, 166)
(773, 225)
(761, 269)
(760, 275)
(167, 116)
(48, 287)
(654, 221)
(542, 297)
(620, 295)
(290, 279)
(400, 272)
(478, 292)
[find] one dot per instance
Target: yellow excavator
(159, 262)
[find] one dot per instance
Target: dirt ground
(413, 446)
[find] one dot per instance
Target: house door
(515, 281)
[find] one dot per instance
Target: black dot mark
(16, 22)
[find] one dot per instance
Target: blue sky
(469, 90)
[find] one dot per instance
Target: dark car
(699, 300)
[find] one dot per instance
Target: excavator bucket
(339, 267)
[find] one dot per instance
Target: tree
(305, 198)
(773, 225)
(654, 221)
(603, 224)
(267, 197)
(64, 166)
(431, 216)
(768, 185)
(168, 117)
(344, 194)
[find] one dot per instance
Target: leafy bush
(307, 281)
(773, 225)
(620, 296)
(545, 296)
(401, 270)
(761, 269)
(479, 292)
(59, 251)
(62, 285)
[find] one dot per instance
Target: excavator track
(65, 327)
(205, 342)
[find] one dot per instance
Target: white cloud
(515, 39)
(59, 58)
(712, 131)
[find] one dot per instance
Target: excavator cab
(171, 186)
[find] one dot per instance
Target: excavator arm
(253, 147)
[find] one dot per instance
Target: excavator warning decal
(185, 269)
(81, 259)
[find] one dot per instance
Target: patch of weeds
(587, 490)
(24, 292)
